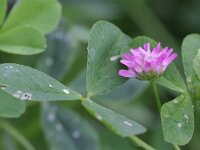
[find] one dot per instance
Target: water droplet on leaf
(66, 91)
(179, 125)
(76, 134)
(127, 123)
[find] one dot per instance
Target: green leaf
(178, 120)
(196, 64)
(171, 77)
(10, 106)
(140, 41)
(195, 92)
(65, 129)
(105, 41)
(117, 123)
(23, 40)
(3, 4)
(190, 46)
(29, 84)
(42, 15)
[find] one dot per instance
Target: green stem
(141, 143)
(16, 134)
(153, 84)
(176, 147)
(156, 94)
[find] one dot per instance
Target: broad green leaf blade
(29, 84)
(42, 15)
(23, 40)
(125, 93)
(105, 41)
(140, 41)
(10, 106)
(171, 77)
(196, 93)
(196, 64)
(117, 123)
(66, 130)
(190, 46)
(3, 4)
(178, 120)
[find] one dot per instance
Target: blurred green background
(167, 21)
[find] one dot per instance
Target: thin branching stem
(16, 134)
(153, 84)
(140, 143)
(156, 94)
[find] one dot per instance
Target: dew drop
(114, 58)
(76, 134)
(127, 123)
(66, 91)
(50, 85)
(179, 125)
(51, 117)
(17, 94)
(186, 116)
(99, 117)
(10, 67)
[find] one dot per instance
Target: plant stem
(16, 134)
(141, 143)
(153, 84)
(176, 147)
(156, 94)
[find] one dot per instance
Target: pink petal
(147, 66)
(127, 73)
(156, 67)
(140, 49)
(161, 58)
(138, 61)
(147, 47)
(127, 62)
(135, 53)
(128, 56)
(164, 50)
(169, 52)
(156, 49)
(170, 59)
(138, 69)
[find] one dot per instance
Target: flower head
(145, 64)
